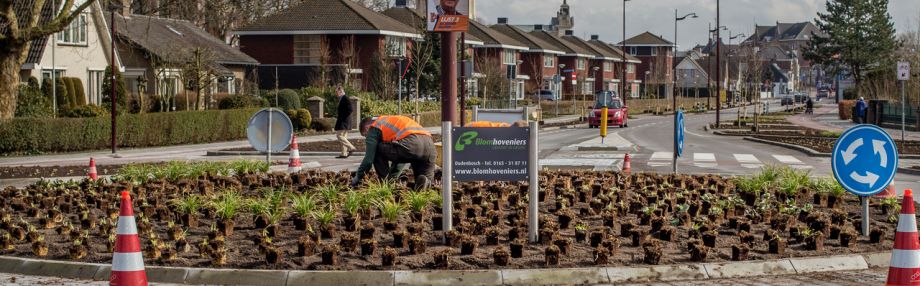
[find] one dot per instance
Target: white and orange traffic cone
(128, 261)
(294, 164)
(889, 192)
(905, 257)
(92, 170)
(627, 166)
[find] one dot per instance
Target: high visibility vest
(487, 124)
(398, 127)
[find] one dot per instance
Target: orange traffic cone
(294, 164)
(627, 166)
(889, 192)
(905, 257)
(128, 261)
(92, 170)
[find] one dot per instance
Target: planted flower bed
(235, 217)
(826, 144)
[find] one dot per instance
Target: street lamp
(623, 63)
(113, 6)
(560, 88)
(674, 82)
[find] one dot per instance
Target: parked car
(801, 97)
(546, 95)
(786, 100)
(617, 113)
(823, 93)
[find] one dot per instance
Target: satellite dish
(269, 128)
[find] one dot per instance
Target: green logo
(465, 139)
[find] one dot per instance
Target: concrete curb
(803, 149)
(597, 275)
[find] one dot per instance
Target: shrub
(286, 99)
(20, 135)
(120, 90)
(77, 91)
(62, 98)
(324, 124)
(71, 92)
(32, 103)
(300, 118)
(83, 111)
(239, 101)
(371, 105)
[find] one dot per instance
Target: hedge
(37, 135)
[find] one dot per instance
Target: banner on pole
(448, 15)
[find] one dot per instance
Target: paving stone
(485, 277)
(236, 277)
(166, 274)
(747, 269)
(834, 263)
(656, 273)
(58, 269)
(9, 264)
(882, 260)
(340, 278)
(555, 276)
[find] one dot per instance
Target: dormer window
(74, 33)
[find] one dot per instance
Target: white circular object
(258, 130)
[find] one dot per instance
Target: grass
(180, 170)
(389, 209)
(303, 204)
(228, 205)
(190, 204)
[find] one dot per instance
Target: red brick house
(540, 62)
(657, 56)
(633, 82)
(502, 50)
(601, 67)
(576, 60)
(322, 42)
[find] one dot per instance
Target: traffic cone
(92, 170)
(128, 261)
(889, 192)
(294, 164)
(627, 166)
(905, 257)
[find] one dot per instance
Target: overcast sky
(604, 17)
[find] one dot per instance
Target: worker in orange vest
(392, 142)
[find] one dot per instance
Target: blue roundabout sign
(679, 134)
(865, 160)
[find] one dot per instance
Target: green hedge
(371, 105)
(37, 135)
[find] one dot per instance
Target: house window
(74, 33)
(632, 51)
(630, 68)
(508, 57)
(396, 47)
(549, 62)
(307, 49)
(94, 81)
(654, 51)
(581, 64)
(608, 66)
(46, 74)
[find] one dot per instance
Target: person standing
(861, 110)
(344, 121)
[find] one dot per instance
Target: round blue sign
(679, 133)
(865, 160)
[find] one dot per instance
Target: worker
(487, 124)
(392, 142)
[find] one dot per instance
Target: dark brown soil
(627, 196)
(826, 144)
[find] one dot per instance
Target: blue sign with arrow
(679, 134)
(865, 160)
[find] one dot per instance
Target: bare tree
(349, 52)
(536, 75)
(198, 71)
(493, 79)
(383, 75)
(325, 59)
(422, 52)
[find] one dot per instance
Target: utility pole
(718, 65)
(623, 63)
(112, 80)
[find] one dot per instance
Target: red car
(617, 114)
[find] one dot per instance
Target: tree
(19, 26)
(859, 37)
(121, 93)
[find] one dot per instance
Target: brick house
(657, 56)
(633, 83)
(539, 61)
(322, 42)
(600, 68)
(502, 50)
(576, 60)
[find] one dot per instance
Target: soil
(21, 172)
(826, 144)
(323, 146)
(627, 196)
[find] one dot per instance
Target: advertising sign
(448, 15)
(490, 154)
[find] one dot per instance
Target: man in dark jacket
(344, 122)
(861, 108)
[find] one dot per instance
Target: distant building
(657, 56)
(564, 21)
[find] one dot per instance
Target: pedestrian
(344, 122)
(809, 106)
(861, 108)
(392, 142)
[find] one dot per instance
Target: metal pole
(399, 93)
(674, 79)
(449, 77)
(674, 163)
(112, 80)
(462, 79)
(54, 74)
(268, 155)
(719, 65)
(447, 168)
(533, 169)
(865, 215)
(623, 64)
(903, 112)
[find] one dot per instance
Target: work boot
(422, 183)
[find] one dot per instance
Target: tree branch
(60, 21)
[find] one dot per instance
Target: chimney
(400, 4)
(125, 7)
(502, 20)
(569, 33)
(538, 27)
(595, 37)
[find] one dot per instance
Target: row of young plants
(309, 221)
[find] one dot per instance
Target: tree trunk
(10, 63)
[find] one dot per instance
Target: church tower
(563, 20)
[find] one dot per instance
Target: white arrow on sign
(850, 153)
(879, 147)
(869, 179)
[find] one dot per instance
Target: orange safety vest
(487, 124)
(398, 127)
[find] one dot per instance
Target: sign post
(903, 77)
(864, 162)
(678, 137)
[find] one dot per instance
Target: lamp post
(709, 68)
(674, 82)
(623, 63)
(112, 7)
(719, 62)
(559, 87)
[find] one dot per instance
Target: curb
(596, 275)
(803, 149)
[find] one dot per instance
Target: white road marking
(748, 161)
(704, 160)
(792, 162)
(660, 159)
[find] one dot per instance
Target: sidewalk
(826, 118)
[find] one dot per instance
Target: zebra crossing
(711, 160)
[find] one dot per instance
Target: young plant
(352, 203)
(390, 210)
(228, 205)
(325, 216)
(330, 193)
(303, 204)
(418, 201)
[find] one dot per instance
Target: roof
(567, 47)
(785, 32)
(534, 43)
(647, 39)
(696, 64)
(23, 10)
(412, 18)
(599, 52)
(328, 17)
(616, 50)
(493, 38)
(162, 36)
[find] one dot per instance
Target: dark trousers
(416, 150)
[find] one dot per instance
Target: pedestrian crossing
(712, 160)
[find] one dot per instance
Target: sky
(604, 17)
